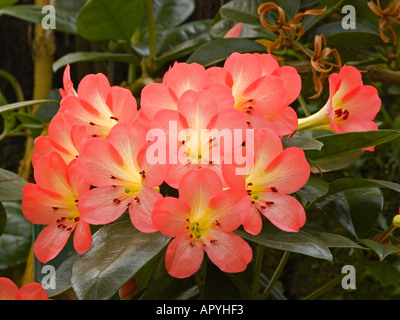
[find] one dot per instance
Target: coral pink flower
(204, 135)
(262, 89)
(118, 167)
(30, 291)
(65, 137)
(177, 80)
(53, 201)
(352, 106)
(276, 174)
(68, 89)
(100, 106)
(202, 219)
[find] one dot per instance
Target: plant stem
(199, 282)
(304, 105)
(276, 275)
(14, 83)
(152, 31)
(257, 271)
(333, 283)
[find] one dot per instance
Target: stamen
(54, 208)
(92, 123)
(213, 241)
(94, 135)
(217, 223)
(61, 219)
(273, 189)
(114, 118)
(77, 219)
(116, 201)
(112, 177)
(269, 202)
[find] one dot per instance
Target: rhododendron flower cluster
(213, 134)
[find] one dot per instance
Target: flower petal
(97, 206)
(8, 289)
(230, 252)
(183, 259)
(82, 237)
(169, 216)
(286, 212)
(50, 242)
(140, 211)
(32, 291)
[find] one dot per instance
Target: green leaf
(171, 13)
(16, 239)
(75, 57)
(63, 276)
(242, 11)
(118, 252)
(315, 188)
(7, 3)
(65, 22)
(11, 186)
(344, 184)
(218, 50)
(344, 148)
(3, 218)
(336, 36)
(384, 272)
(175, 36)
(23, 104)
(110, 20)
(308, 241)
(303, 140)
(382, 250)
(357, 210)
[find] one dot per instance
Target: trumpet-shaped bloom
(30, 291)
(53, 201)
(65, 137)
(68, 89)
(100, 106)
(123, 177)
(180, 78)
(276, 174)
(202, 220)
(204, 133)
(262, 90)
(352, 106)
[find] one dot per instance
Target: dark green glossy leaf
(65, 22)
(63, 276)
(357, 210)
(303, 140)
(75, 57)
(347, 147)
(16, 239)
(218, 50)
(242, 11)
(308, 241)
(110, 20)
(23, 104)
(382, 250)
(344, 184)
(336, 36)
(11, 186)
(173, 37)
(171, 13)
(3, 218)
(315, 187)
(118, 252)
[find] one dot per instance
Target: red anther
(338, 113)
(77, 219)
(116, 201)
(94, 135)
(68, 229)
(61, 219)
(269, 202)
(112, 177)
(251, 100)
(92, 123)
(54, 208)
(114, 118)
(263, 207)
(217, 223)
(346, 114)
(213, 241)
(192, 244)
(273, 189)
